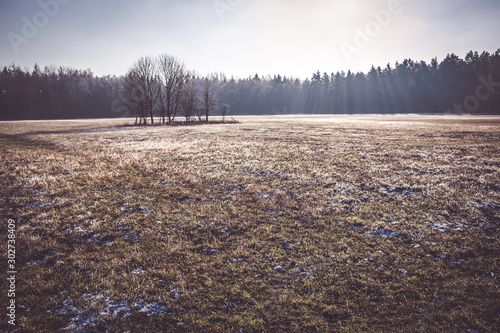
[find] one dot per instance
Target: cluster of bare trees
(163, 87)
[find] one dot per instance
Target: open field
(284, 223)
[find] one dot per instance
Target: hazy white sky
(244, 37)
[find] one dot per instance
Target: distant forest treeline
(454, 85)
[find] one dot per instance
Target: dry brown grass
(284, 223)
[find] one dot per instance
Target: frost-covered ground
(297, 223)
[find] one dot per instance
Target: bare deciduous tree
(172, 76)
(224, 111)
(140, 91)
(132, 97)
(209, 102)
(189, 100)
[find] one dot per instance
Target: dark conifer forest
(454, 85)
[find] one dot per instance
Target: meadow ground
(285, 223)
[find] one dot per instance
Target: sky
(241, 38)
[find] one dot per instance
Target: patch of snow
(41, 193)
(441, 227)
(84, 323)
(381, 232)
(95, 239)
(305, 274)
(138, 271)
(37, 262)
(150, 308)
(116, 307)
(131, 236)
(237, 260)
(176, 293)
(70, 231)
(68, 308)
(457, 262)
